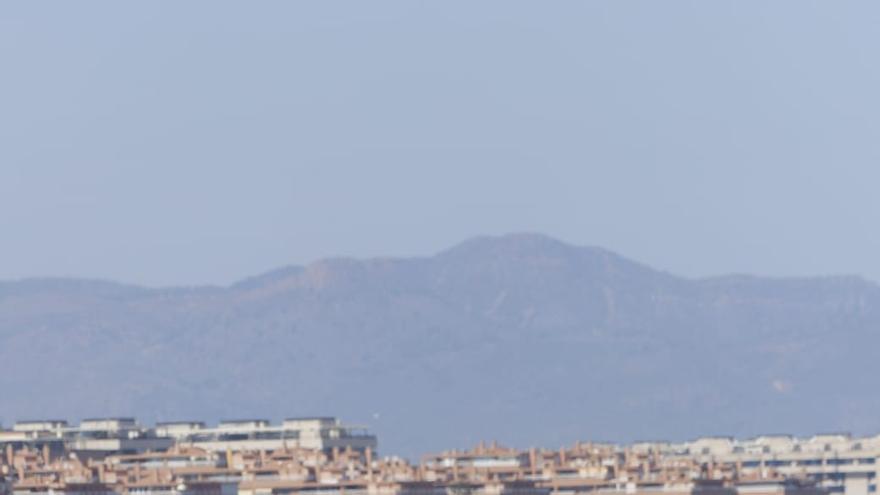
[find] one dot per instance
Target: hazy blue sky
(195, 142)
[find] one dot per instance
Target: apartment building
(92, 438)
(320, 433)
(98, 437)
(837, 462)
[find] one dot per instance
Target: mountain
(519, 338)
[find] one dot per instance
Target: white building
(837, 462)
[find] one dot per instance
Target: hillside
(519, 338)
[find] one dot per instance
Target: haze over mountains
(518, 338)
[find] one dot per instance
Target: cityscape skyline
(307, 455)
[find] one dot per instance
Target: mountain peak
(515, 245)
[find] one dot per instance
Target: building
(321, 433)
(96, 437)
(836, 462)
(99, 437)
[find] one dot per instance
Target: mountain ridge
(504, 239)
(561, 342)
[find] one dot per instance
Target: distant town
(323, 456)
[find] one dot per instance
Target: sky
(200, 142)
